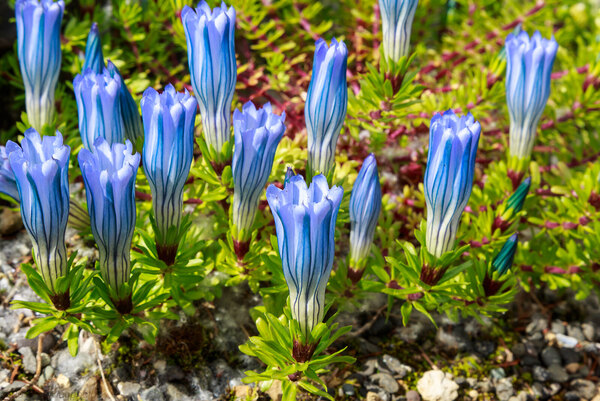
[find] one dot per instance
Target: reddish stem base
(61, 301)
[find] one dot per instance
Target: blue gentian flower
(448, 180)
(168, 154)
(305, 224)
(99, 107)
(397, 18)
(211, 57)
(326, 104)
(365, 206)
(257, 135)
(94, 59)
(528, 69)
(41, 167)
(132, 122)
(38, 45)
(109, 175)
(8, 184)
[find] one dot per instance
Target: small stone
(176, 394)
(473, 394)
(89, 390)
(14, 386)
(566, 341)
(275, 391)
(436, 385)
(29, 361)
(348, 389)
(588, 331)
(485, 348)
(10, 221)
(554, 388)
(570, 355)
(540, 374)
(48, 372)
(558, 373)
(584, 388)
(504, 389)
(575, 332)
(454, 339)
(530, 360)
(485, 386)
(558, 327)
(395, 366)
(519, 350)
(538, 324)
(45, 360)
(371, 396)
(63, 381)
(412, 395)
(160, 366)
(152, 394)
(129, 389)
(369, 367)
(497, 373)
(572, 396)
(572, 368)
(242, 392)
(386, 382)
(551, 356)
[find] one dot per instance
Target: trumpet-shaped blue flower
(168, 154)
(365, 206)
(99, 107)
(38, 37)
(528, 68)
(94, 59)
(453, 144)
(8, 185)
(109, 176)
(257, 135)
(41, 167)
(305, 224)
(326, 104)
(211, 57)
(132, 123)
(397, 18)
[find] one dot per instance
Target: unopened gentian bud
(305, 225)
(38, 46)
(109, 175)
(132, 123)
(8, 184)
(257, 134)
(98, 107)
(325, 107)
(397, 18)
(168, 154)
(500, 265)
(528, 69)
(41, 167)
(211, 57)
(94, 59)
(512, 207)
(365, 206)
(448, 180)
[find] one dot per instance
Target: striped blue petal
(326, 104)
(168, 153)
(132, 123)
(94, 59)
(528, 69)
(38, 47)
(365, 206)
(257, 133)
(396, 20)
(448, 179)
(109, 175)
(41, 167)
(305, 225)
(8, 184)
(211, 58)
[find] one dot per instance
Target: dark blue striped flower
(528, 68)
(8, 184)
(99, 107)
(38, 37)
(396, 19)
(109, 176)
(211, 57)
(448, 180)
(94, 59)
(305, 224)
(168, 154)
(257, 135)
(41, 167)
(132, 122)
(326, 104)
(365, 206)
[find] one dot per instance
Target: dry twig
(38, 371)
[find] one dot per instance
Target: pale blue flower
(99, 107)
(326, 104)
(257, 135)
(41, 167)
(448, 180)
(396, 19)
(132, 122)
(109, 175)
(211, 57)
(528, 69)
(168, 154)
(8, 184)
(305, 224)
(94, 59)
(365, 206)
(38, 45)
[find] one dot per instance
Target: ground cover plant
(329, 166)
